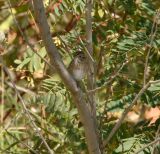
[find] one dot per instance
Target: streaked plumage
(78, 66)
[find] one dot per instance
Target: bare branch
(155, 141)
(70, 83)
(22, 89)
(91, 72)
(20, 141)
(91, 77)
(110, 79)
(124, 114)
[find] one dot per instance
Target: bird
(78, 66)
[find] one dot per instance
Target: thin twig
(124, 114)
(153, 142)
(65, 46)
(19, 88)
(156, 137)
(20, 141)
(86, 50)
(111, 78)
(26, 111)
(153, 34)
(14, 118)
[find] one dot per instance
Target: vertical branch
(90, 77)
(89, 4)
(91, 72)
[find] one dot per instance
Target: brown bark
(91, 72)
(76, 92)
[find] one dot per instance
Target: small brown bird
(78, 66)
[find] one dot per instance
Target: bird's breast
(78, 74)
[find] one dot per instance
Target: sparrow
(78, 66)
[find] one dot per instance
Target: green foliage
(31, 61)
(121, 32)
